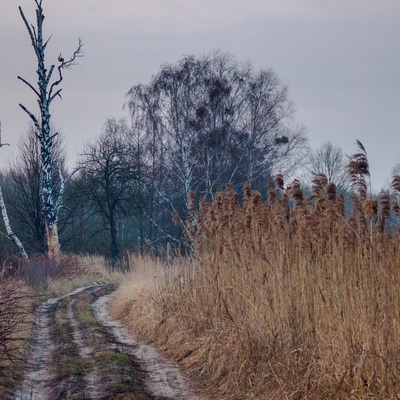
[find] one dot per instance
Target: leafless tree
(108, 176)
(23, 188)
(215, 121)
(47, 90)
(331, 161)
(9, 231)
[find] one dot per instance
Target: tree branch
(58, 93)
(64, 64)
(50, 73)
(77, 54)
(33, 118)
(32, 36)
(47, 41)
(56, 134)
(28, 84)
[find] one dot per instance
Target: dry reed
(283, 302)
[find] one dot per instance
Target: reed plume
(288, 298)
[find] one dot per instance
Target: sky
(340, 60)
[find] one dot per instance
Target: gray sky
(340, 59)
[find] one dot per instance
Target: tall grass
(285, 299)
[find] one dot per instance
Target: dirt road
(80, 352)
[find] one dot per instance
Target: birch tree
(217, 121)
(23, 190)
(10, 233)
(47, 90)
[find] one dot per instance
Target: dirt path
(80, 352)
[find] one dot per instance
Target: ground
(80, 352)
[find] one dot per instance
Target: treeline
(199, 124)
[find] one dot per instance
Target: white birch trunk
(10, 234)
(46, 91)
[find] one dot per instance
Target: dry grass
(281, 300)
(77, 271)
(24, 284)
(52, 278)
(140, 291)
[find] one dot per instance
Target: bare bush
(15, 308)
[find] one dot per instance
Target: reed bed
(283, 299)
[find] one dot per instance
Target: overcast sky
(340, 59)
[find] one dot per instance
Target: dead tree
(48, 88)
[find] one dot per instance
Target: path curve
(164, 378)
(76, 356)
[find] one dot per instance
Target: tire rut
(40, 380)
(79, 352)
(164, 379)
(94, 386)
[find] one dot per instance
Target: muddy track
(80, 352)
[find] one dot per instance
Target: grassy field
(287, 299)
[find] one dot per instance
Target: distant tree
(108, 177)
(215, 122)
(331, 161)
(46, 91)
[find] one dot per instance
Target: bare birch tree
(46, 91)
(10, 233)
(216, 122)
(23, 190)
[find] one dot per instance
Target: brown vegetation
(287, 299)
(15, 309)
(25, 283)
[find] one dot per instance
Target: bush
(15, 319)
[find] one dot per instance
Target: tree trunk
(46, 91)
(10, 234)
(114, 252)
(53, 244)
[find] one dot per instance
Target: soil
(80, 352)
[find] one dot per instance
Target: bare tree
(46, 91)
(331, 161)
(108, 177)
(10, 233)
(23, 189)
(216, 121)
